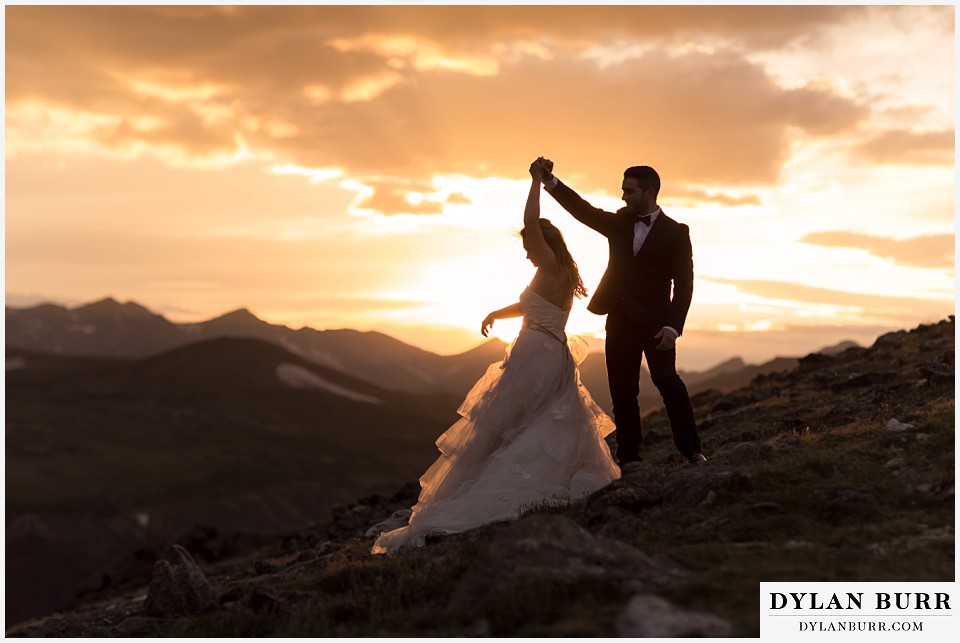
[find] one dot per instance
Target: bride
(530, 432)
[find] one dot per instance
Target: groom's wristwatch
(549, 185)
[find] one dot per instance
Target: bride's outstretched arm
(513, 310)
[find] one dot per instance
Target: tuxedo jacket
(656, 285)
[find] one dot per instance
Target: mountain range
(108, 328)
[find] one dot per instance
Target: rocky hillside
(840, 469)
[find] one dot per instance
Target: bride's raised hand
(536, 170)
(487, 324)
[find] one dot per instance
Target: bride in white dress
(529, 432)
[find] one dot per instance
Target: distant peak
(239, 313)
(103, 303)
(112, 306)
(239, 316)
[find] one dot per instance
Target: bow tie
(645, 219)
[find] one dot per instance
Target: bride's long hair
(554, 239)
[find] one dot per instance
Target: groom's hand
(667, 339)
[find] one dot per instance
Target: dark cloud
(909, 148)
(931, 251)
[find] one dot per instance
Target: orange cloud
(930, 251)
(692, 196)
(910, 148)
(415, 91)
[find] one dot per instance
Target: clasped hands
(542, 169)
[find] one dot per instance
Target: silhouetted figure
(650, 256)
(530, 432)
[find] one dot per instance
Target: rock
(397, 519)
(896, 425)
(862, 380)
(943, 491)
(740, 452)
(936, 372)
(895, 463)
(690, 485)
(624, 493)
(750, 452)
(553, 549)
(178, 587)
(650, 616)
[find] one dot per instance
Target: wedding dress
(529, 433)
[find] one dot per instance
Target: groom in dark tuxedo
(645, 293)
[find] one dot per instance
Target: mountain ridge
(370, 355)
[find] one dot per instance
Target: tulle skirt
(529, 433)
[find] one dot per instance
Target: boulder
(553, 548)
(626, 493)
(691, 485)
(178, 587)
(650, 616)
(751, 452)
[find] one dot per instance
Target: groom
(649, 252)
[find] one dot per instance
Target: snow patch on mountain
(300, 377)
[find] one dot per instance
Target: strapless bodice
(540, 314)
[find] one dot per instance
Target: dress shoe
(697, 458)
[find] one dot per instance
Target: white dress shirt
(641, 230)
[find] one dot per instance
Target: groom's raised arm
(601, 221)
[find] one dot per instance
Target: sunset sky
(366, 167)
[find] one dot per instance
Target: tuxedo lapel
(658, 230)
